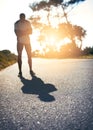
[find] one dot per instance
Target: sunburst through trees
(58, 37)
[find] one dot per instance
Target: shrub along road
(60, 97)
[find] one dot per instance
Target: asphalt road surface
(60, 97)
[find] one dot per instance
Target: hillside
(7, 58)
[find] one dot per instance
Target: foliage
(64, 34)
(47, 4)
(7, 58)
(66, 51)
(88, 51)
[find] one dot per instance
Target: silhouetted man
(23, 29)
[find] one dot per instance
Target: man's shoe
(20, 74)
(32, 73)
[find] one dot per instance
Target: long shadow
(38, 87)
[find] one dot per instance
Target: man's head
(22, 16)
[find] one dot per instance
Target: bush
(7, 58)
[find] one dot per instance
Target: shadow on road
(38, 87)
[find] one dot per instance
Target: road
(60, 97)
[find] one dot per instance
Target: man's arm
(29, 29)
(18, 33)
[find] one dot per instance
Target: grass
(86, 57)
(7, 58)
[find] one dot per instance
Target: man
(22, 29)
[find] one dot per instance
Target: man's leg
(19, 50)
(28, 50)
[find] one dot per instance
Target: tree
(73, 32)
(88, 50)
(63, 29)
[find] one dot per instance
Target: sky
(81, 15)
